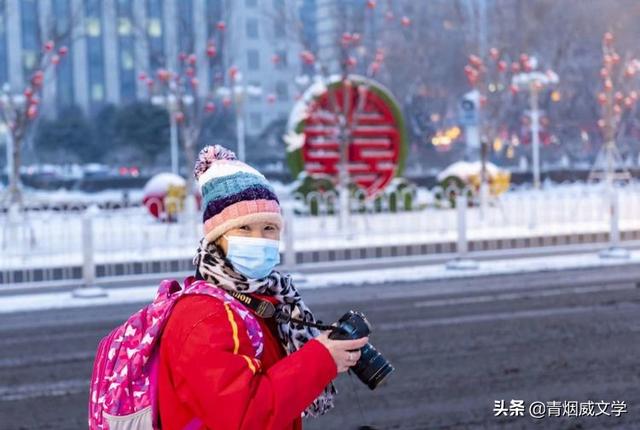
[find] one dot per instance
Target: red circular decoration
(375, 146)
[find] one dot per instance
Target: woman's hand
(344, 352)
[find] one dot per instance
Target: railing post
(462, 262)
(289, 240)
(614, 250)
(89, 289)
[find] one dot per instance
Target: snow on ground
(383, 277)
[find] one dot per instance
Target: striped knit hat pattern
(233, 193)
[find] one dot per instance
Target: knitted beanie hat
(233, 193)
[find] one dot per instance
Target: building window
(255, 120)
(61, 9)
(124, 26)
(282, 91)
(253, 59)
(93, 27)
(97, 92)
(155, 27)
(4, 75)
(252, 28)
(29, 59)
(127, 60)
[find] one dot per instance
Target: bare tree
(20, 109)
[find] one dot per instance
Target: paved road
(455, 355)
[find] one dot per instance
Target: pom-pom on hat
(233, 193)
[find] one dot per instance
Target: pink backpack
(123, 390)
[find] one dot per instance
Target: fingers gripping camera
(372, 368)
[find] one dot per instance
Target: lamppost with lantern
(238, 92)
(534, 82)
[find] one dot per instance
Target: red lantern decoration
(63, 51)
(514, 89)
(190, 72)
(226, 102)
(352, 62)
(221, 26)
(346, 39)
(179, 116)
(271, 98)
(515, 67)
(502, 66)
(182, 56)
(35, 100)
(371, 4)
(192, 59)
(475, 61)
(211, 50)
(608, 85)
(307, 57)
(28, 92)
(195, 82)
(49, 45)
(150, 83)
(494, 53)
(55, 60)
(604, 73)
(275, 59)
(163, 74)
(608, 38)
(405, 21)
(630, 71)
(37, 79)
(210, 107)
(32, 111)
(142, 76)
(615, 58)
(602, 98)
(356, 38)
(233, 72)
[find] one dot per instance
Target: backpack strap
(254, 331)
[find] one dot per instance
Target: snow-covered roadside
(141, 294)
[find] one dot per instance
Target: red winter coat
(208, 370)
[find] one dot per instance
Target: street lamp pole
(534, 82)
(535, 131)
(9, 143)
(169, 101)
(173, 136)
(240, 133)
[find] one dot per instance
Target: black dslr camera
(372, 367)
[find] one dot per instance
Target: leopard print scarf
(214, 268)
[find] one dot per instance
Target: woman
(210, 375)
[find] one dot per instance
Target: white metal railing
(73, 236)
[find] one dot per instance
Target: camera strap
(265, 309)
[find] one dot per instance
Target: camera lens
(372, 368)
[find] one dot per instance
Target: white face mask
(254, 257)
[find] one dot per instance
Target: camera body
(372, 368)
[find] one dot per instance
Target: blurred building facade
(111, 42)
